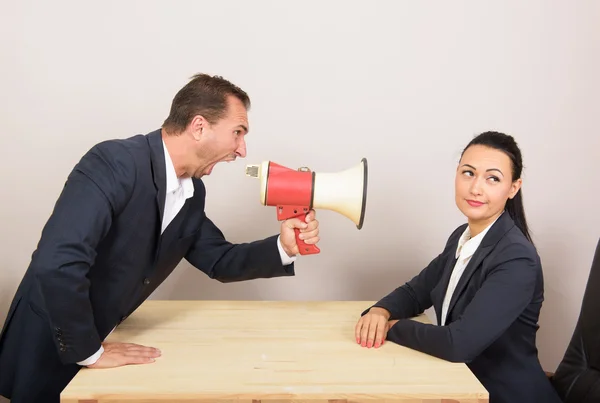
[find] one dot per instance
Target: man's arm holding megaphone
(274, 256)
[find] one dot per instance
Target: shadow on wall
(557, 323)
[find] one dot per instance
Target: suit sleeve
(228, 262)
(504, 295)
(98, 187)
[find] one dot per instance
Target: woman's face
(484, 183)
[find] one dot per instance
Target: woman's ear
(514, 188)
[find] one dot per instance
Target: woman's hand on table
(372, 327)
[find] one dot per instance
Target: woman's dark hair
(508, 146)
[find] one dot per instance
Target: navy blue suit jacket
(492, 318)
(101, 254)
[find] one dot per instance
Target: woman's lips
(474, 203)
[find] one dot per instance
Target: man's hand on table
(120, 354)
(371, 329)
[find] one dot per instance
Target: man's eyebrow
(243, 127)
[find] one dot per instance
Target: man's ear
(514, 188)
(197, 126)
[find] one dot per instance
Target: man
(129, 212)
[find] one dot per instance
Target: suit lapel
(495, 233)
(473, 265)
(171, 233)
(157, 154)
(159, 174)
(443, 285)
(439, 291)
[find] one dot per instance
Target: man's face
(222, 141)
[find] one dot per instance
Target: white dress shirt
(177, 192)
(464, 251)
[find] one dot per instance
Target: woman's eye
(468, 173)
(494, 179)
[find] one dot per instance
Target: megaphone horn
(296, 192)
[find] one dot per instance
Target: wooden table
(234, 351)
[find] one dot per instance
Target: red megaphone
(296, 192)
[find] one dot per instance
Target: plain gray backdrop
(404, 84)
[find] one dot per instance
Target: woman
(486, 286)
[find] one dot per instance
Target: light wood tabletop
(268, 351)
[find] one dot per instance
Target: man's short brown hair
(204, 95)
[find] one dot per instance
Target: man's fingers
(132, 349)
(310, 237)
(138, 359)
(143, 353)
(138, 355)
(312, 240)
(121, 346)
(295, 223)
(310, 226)
(137, 347)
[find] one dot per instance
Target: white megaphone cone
(344, 192)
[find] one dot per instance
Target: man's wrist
(286, 258)
(287, 251)
(92, 359)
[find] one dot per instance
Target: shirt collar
(173, 182)
(467, 245)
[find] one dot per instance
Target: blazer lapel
(157, 154)
(473, 265)
(488, 243)
(159, 173)
(440, 290)
(172, 232)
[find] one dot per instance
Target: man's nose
(241, 150)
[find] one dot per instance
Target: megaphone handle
(288, 211)
(303, 247)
